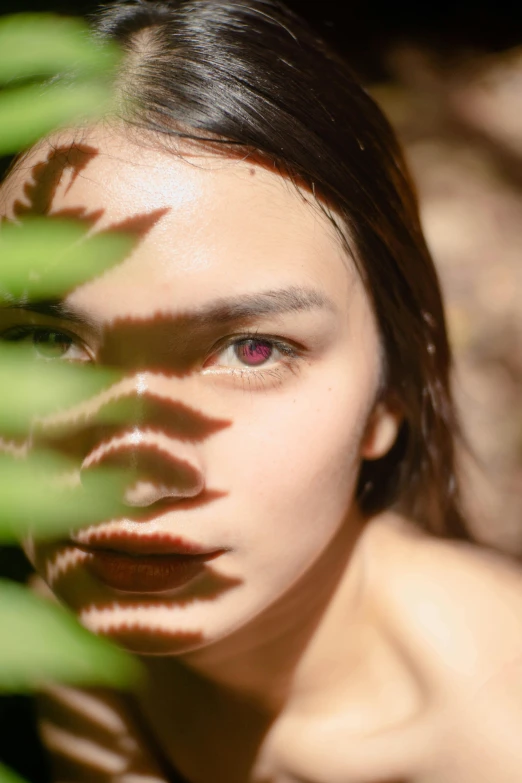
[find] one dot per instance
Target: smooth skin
(343, 649)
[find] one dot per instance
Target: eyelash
(259, 375)
(16, 334)
(247, 374)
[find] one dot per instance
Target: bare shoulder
(451, 619)
(456, 609)
(459, 603)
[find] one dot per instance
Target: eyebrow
(244, 307)
(54, 308)
(293, 299)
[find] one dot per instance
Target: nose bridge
(139, 425)
(156, 402)
(142, 424)
(162, 343)
(152, 443)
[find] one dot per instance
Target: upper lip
(143, 544)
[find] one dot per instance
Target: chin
(142, 642)
(143, 635)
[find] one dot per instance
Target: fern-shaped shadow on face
(167, 345)
(97, 434)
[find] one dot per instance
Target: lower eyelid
(257, 378)
(246, 379)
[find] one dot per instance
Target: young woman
(292, 565)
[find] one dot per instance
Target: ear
(381, 430)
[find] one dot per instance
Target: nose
(158, 465)
(154, 440)
(155, 468)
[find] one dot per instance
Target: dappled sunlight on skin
(113, 723)
(82, 432)
(140, 622)
(165, 345)
(45, 177)
(163, 328)
(208, 587)
(63, 563)
(239, 520)
(169, 346)
(145, 452)
(153, 472)
(86, 751)
(160, 474)
(88, 707)
(65, 559)
(123, 532)
(156, 626)
(39, 189)
(129, 425)
(114, 745)
(113, 528)
(129, 400)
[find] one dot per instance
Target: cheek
(292, 471)
(295, 455)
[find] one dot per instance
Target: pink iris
(253, 352)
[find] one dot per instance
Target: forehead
(206, 222)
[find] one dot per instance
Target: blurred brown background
(460, 119)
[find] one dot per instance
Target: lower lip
(146, 573)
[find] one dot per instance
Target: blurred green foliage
(40, 45)
(70, 257)
(8, 776)
(29, 388)
(34, 502)
(52, 73)
(65, 650)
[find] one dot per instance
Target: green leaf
(46, 44)
(31, 111)
(42, 642)
(48, 257)
(32, 387)
(34, 500)
(9, 776)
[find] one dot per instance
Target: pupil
(254, 352)
(52, 345)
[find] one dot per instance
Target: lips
(145, 564)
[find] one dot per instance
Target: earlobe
(381, 431)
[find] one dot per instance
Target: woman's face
(251, 356)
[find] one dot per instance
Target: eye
(49, 344)
(252, 352)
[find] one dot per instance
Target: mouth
(145, 564)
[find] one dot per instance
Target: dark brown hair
(253, 76)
